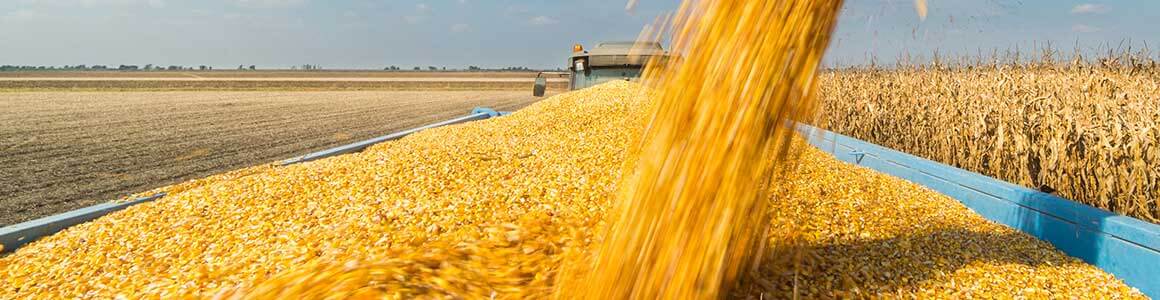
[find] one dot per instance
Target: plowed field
(65, 150)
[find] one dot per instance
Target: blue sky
(886, 29)
(496, 33)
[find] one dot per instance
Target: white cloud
(422, 11)
(19, 15)
(414, 19)
(543, 20)
(1089, 8)
(1083, 28)
(93, 3)
(269, 3)
(512, 10)
(460, 28)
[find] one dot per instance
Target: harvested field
(272, 81)
(269, 85)
(260, 74)
(62, 151)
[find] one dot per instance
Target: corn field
(1086, 132)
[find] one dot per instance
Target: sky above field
(367, 34)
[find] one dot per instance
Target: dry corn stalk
(1091, 135)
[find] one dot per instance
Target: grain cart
(1126, 247)
(608, 61)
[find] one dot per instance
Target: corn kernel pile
(842, 231)
(494, 209)
(689, 214)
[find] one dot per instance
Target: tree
(241, 67)
(253, 68)
(432, 68)
(418, 69)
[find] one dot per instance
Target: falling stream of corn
(691, 209)
(690, 186)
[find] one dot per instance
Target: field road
(65, 150)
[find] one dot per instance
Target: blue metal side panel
(1124, 246)
(479, 113)
(15, 236)
(491, 113)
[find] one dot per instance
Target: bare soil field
(65, 150)
(266, 85)
(270, 81)
(264, 74)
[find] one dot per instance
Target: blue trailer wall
(1123, 246)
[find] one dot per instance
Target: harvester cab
(608, 61)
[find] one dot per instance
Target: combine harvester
(1126, 247)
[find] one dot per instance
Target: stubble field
(272, 80)
(66, 150)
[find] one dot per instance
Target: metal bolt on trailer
(15, 236)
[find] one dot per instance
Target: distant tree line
(469, 68)
(305, 67)
(148, 67)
